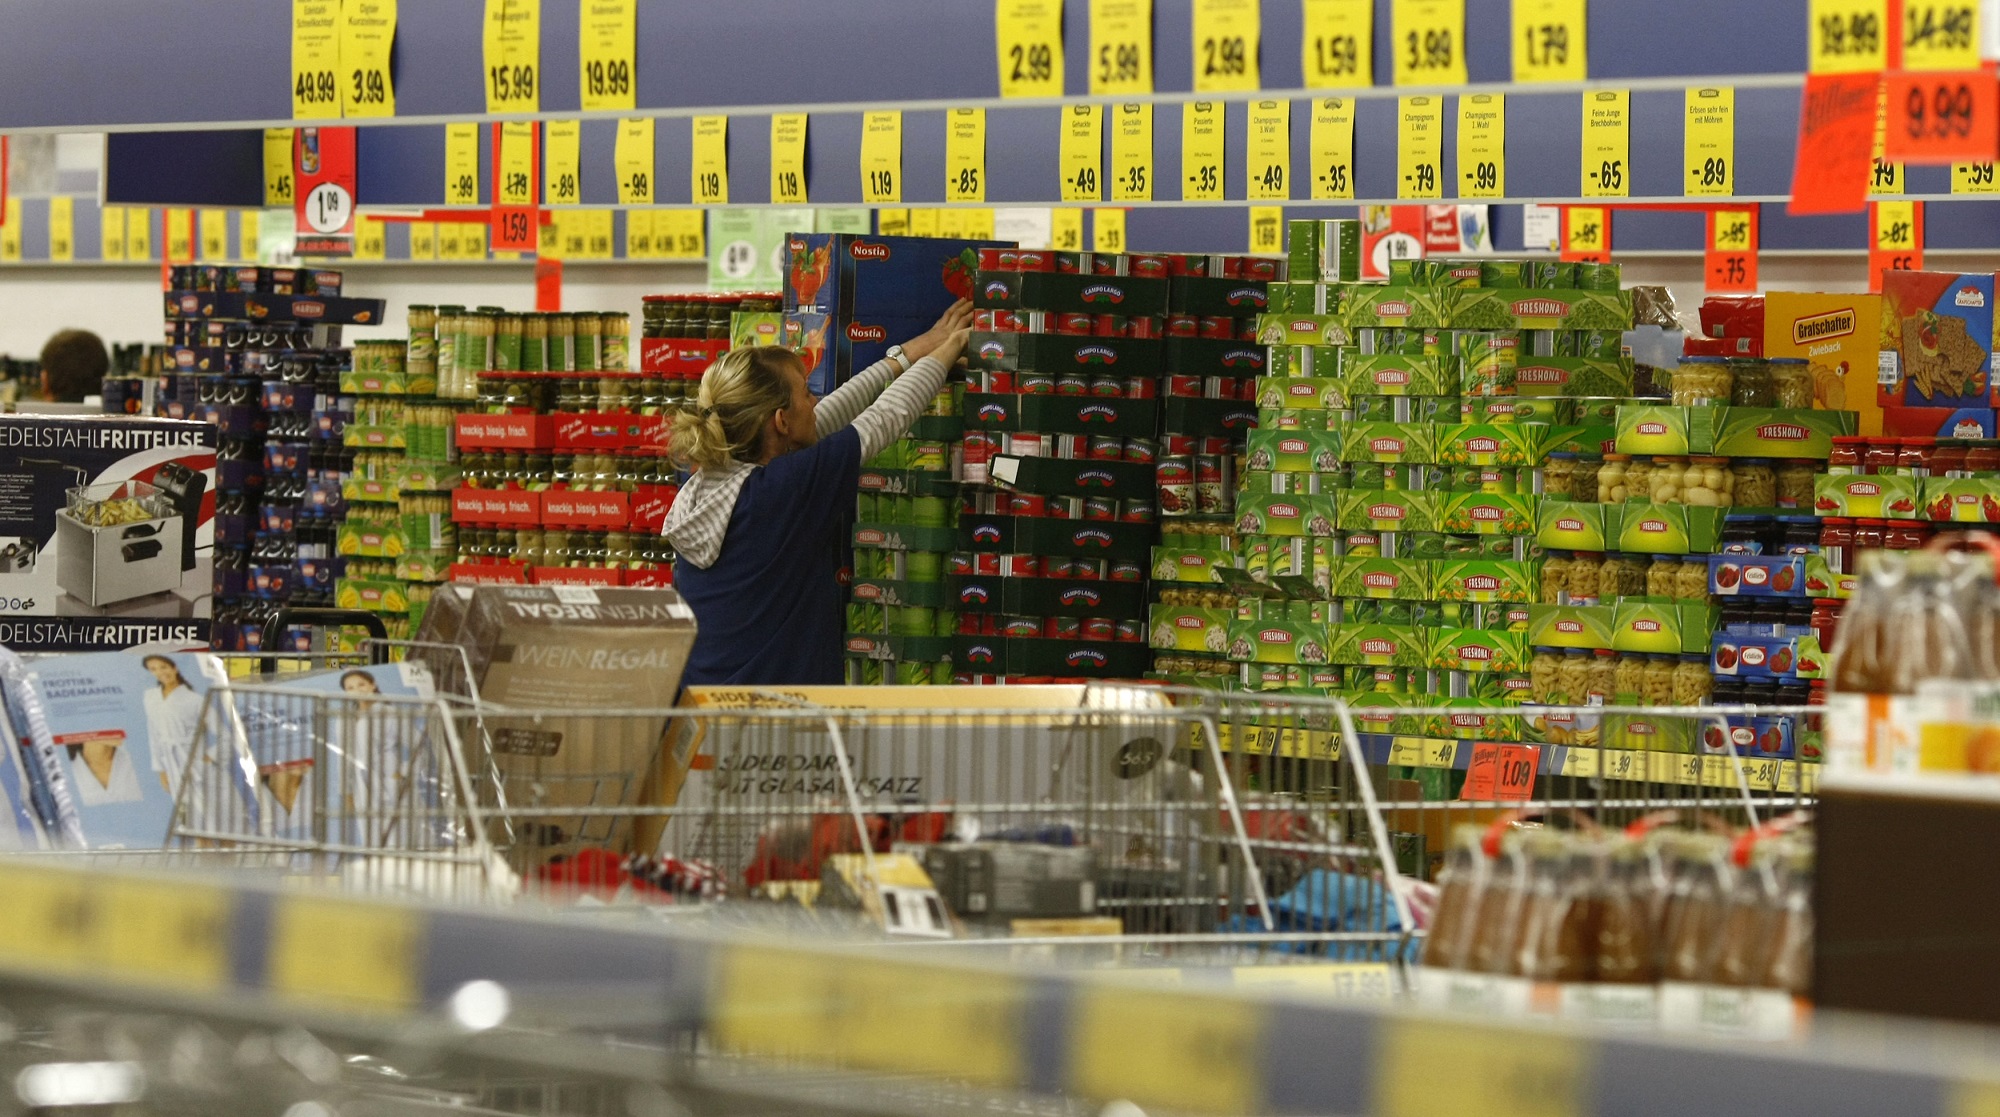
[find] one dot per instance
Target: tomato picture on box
(848, 275)
(1937, 338)
(1757, 575)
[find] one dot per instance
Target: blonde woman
(760, 529)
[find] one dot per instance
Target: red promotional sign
(1729, 265)
(324, 195)
(1946, 117)
(1836, 143)
(1501, 773)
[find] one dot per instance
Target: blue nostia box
(848, 274)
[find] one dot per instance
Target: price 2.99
(1223, 57)
(1031, 62)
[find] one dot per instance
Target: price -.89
(1712, 172)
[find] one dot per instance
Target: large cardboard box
(106, 532)
(589, 671)
(1839, 334)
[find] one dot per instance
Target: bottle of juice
(1449, 942)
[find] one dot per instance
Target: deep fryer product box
(105, 574)
(601, 653)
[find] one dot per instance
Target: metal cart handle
(287, 616)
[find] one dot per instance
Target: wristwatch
(901, 358)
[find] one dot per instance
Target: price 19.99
(607, 79)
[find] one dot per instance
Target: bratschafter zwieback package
(106, 532)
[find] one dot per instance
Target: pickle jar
(1558, 475)
(1791, 382)
(1754, 484)
(1752, 385)
(1703, 381)
(1583, 484)
(1794, 482)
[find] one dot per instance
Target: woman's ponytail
(739, 393)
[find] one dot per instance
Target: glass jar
(1657, 684)
(1664, 483)
(1585, 479)
(1639, 479)
(1791, 382)
(1612, 478)
(1600, 686)
(1660, 575)
(1845, 457)
(1584, 573)
(1836, 542)
(1691, 681)
(1869, 534)
(1621, 576)
(1798, 535)
(1555, 577)
(1949, 458)
(1794, 481)
(1702, 381)
(1881, 455)
(1691, 580)
(1629, 678)
(1708, 483)
(1913, 456)
(1906, 535)
(1982, 456)
(1543, 669)
(1754, 483)
(1753, 386)
(1559, 474)
(1572, 677)
(653, 315)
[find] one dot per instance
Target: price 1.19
(881, 184)
(788, 184)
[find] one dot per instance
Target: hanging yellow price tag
(1973, 178)
(1482, 145)
(598, 229)
(1267, 230)
(608, 55)
(979, 223)
(1201, 151)
(633, 155)
(1586, 233)
(1338, 44)
(680, 234)
(965, 155)
(561, 147)
(951, 223)
(638, 234)
(1066, 230)
(138, 234)
(710, 185)
(1121, 47)
(461, 164)
(315, 59)
(1419, 146)
(180, 236)
(1607, 143)
(1268, 154)
(1332, 145)
(1226, 45)
(788, 158)
(1132, 153)
(278, 167)
(62, 228)
(513, 54)
(423, 240)
(371, 238)
(10, 232)
(1428, 42)
(517, 163)
(882, 158)
(451, 240)
(1709, 142)
(357, 957)
(1107, 230)
(1030, 38)
(1885, 176)
(924, 222)
(1940, 35)
(250, 230)
(367, 35)
(1847, 36)
(111, 233)
(214, 234)
(1081, 152)
(1549, 41)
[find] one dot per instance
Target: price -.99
(512, 83)
(1485, 175)
(638, 182)
(465, 189)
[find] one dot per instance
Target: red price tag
(1730, 266)
(1895, 239)
(516, 228)
(1501, 773)
(1951, 117)
(324, 198)
(1836, 143)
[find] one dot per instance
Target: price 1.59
(1336, 55)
